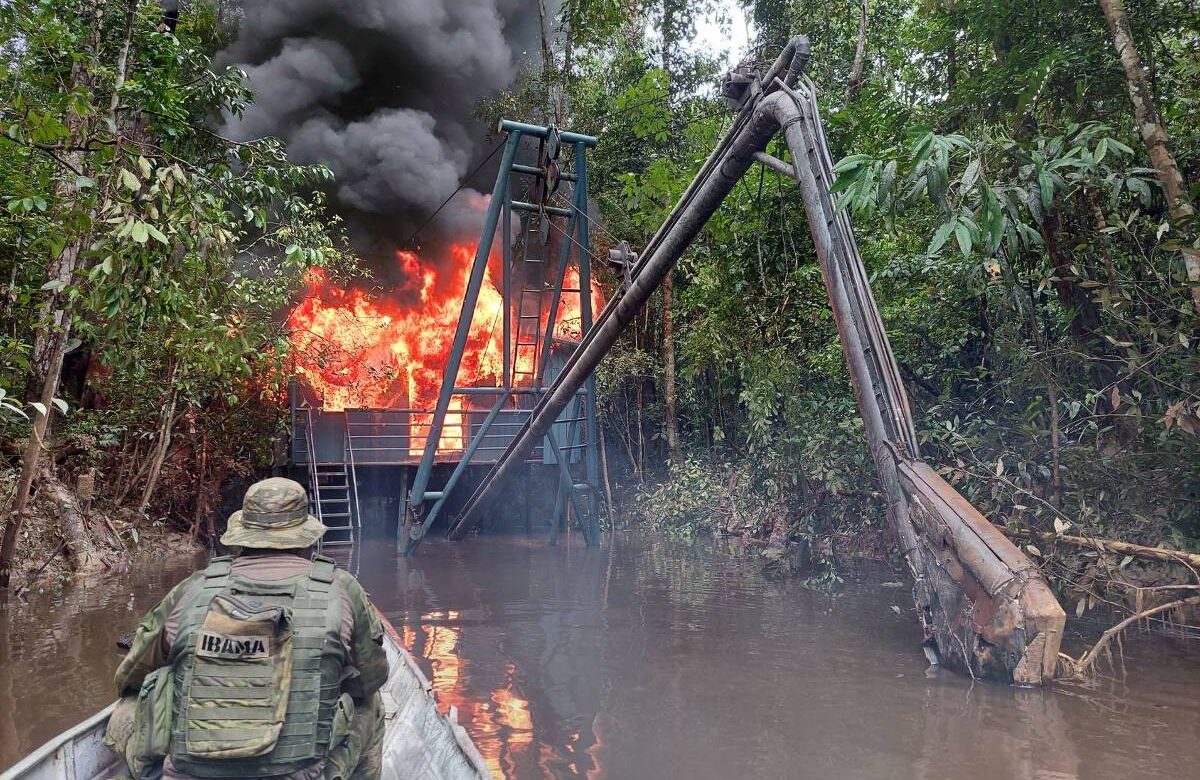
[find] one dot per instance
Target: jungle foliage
(1033, 253)
(1031, 266)
(141, 252)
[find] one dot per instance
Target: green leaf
(14, 409)
(1140, 187)
(994, 220)
(1046, 184)
(40, 407)
(1120, 147)
(139, 233)
(937, 180)
(971, 175)
(851, 162)
(942, 234)
(845, 182)
(157, 234)
(60, 404)
(963, 234)
(129, 181)
(1101, 150)
(886, 180)
(922, 146)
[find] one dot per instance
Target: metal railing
(352, 482)
(311, 459)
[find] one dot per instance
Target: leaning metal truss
(535, 282)
(985, 607)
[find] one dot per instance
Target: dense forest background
(1020, 178)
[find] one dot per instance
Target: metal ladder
(527, 346)
(530, 343)
(333, 493)
(570, 493)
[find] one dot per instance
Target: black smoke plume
(384, 92)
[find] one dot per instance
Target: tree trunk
(952, 65)
(53, 316)
(54, 331)
(1055, 457)
(201, 490)
(608, 492)
(640, 464)
(1085, 317)
(563, 102)
(860, 54)
(83, 555)
(160, 452)
(31, 459)
(1154, 135)
(547, 56)
(670, 396)
(122, 69)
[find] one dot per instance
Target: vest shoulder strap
(216, 574)
(322, 569)
(218, 567)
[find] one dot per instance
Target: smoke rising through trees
(384, 93)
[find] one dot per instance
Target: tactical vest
(248, 704)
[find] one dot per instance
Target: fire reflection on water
(501, 726)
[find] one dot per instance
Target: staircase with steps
(332, 491)
(333, 501)
(527, 349)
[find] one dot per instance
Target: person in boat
(264, 664)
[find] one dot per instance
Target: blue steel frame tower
(528, 342)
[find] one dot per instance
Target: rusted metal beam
(984, 605)
(720, 173)
(984, 597)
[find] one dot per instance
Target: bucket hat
(274, 516)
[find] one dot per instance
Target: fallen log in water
(1080, 668)
(77, 542)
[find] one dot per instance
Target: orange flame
(502, 724)
(363, 350)
(568, 323)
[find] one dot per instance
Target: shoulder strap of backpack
(322, 569)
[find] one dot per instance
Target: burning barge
(401, 390)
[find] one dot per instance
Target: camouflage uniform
(274, 517)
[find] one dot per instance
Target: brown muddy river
(651, 658)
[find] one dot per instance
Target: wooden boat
(419, 742)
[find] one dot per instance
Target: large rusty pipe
(895, 408)
(790, 62)
(789, 114)
(729, 162)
